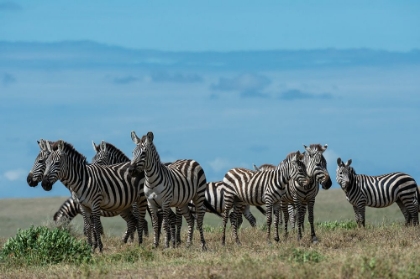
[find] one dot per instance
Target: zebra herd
(112, 185)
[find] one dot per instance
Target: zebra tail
(211, 208)
(418, 198)
(262, 210)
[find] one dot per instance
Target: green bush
(42, 245)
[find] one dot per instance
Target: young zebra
(378, 191)
(170, 186)
(264, 187)
(97, 187)
(302, 197)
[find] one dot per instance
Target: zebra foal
(378, 191)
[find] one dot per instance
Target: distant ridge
(82, 54)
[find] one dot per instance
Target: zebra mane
(116, 150)
(71, 151)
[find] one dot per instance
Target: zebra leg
(131, 221)
(236, 212)
(141, 205)
(178, 222)
(167, 224)
(404, 212)
(88, 225)
(160, 221)
(269, 209)
(248, 215)
(284, 208)
(292, 215)
(97, 242)
(155, 224)
(299, 217)
(276, 209)
(359, 212)
(190, 221)
(411, 210)
(311, 205)
(228, 207)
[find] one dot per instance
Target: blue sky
(228, 84)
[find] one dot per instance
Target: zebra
(215, 197)
(97, 187)
(304, 197)
(174, 185)
(244, 186)
(291, 208)
(37, 172)
(108, 154)
(378, 191)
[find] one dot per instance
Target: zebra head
(345, 174)
(316, 165)
(297, 169)
(102, 156)
(138, 162)
(54, 165)
(37, 172)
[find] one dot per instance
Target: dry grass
(385, 249)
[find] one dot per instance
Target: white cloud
(219, 164)
(13, 175)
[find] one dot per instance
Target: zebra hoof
(314, 240)
(277, 239)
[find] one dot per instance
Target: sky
(227, 83)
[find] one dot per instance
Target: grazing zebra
(97, 187)
(215, 197)
(170, 186)
(378, 191)
(264, 187)
(108, 154)
(37, 172)
(304, 197)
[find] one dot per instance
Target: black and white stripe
(302, 197)
(97, 187)
(378, 191)
(266, 187)
(175, 185)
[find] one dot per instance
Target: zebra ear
(41, 144)
(256, 168)
(135, 138)
(103, 146)
(325, 147)
(150, 136)
(60, 145)
(348, 162)
(95, 147)
(48, 146)
(339, 162)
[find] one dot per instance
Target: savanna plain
(386, 248)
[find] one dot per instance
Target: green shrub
(42, 245)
